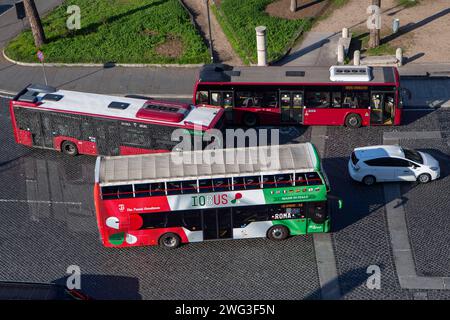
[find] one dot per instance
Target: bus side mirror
(340, 204)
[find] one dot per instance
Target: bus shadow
(412, 115)
(107, 287)
(267, 135)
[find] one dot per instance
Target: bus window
(356, 99)
(317, 99)
(202, 97)
(269, 181)
(252, 182)
(300, 179)
(215, 99)
(125, 191)
(109, 193)
(222, 184)
(154, 220)
(192, 220)
(336, 99)
(158, 189)
(248, 99)
(174, 219)
(205, 186)
(174, 188)
(238, 183)
(313, 179)
(142, 190)
(227, 99)
(270, 100)
(243, 216)
(283, 180)
(189, 187)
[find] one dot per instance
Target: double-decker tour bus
(150, 200)
(341, 95)
(94, 124)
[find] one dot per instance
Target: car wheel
(424, 178)
(353, 121)
(170, 240)
(278, 233)
(69, 148)
(250, 120)
(369, 180)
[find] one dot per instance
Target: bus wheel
(170, 240)
(369, 180)
(278, 233)
(69, 148)
(250, 119)
(353, 121)
(319, 217)
(424, 178)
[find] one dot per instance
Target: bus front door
(217, 224)
(291, 103)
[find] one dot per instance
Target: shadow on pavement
(107, 287)
(347, 283)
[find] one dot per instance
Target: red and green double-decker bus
(272, 192)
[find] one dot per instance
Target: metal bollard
(395, 25)
(399, 56)
(261, 45)
(345, 33)
(340, 55)
(357, 58)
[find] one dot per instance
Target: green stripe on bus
(295, 194)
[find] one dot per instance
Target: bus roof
(161, 167)
(154, 111)
(222, 73)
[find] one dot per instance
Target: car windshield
(413, 155)
(354, 158)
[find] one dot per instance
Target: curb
(102, 65)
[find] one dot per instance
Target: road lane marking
(399, 235)
(323, 244)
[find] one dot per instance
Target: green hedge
(240, 18)
(123, 31)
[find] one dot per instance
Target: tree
(35, 23)
(293, 5)
(374, 40)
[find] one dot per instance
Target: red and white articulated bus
(341, 95)
(94, 124)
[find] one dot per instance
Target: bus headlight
(435, 168)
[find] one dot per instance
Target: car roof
(382, 151)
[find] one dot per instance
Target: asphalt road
(48, 224)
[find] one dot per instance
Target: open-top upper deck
(162, 167)
(149, 111)
(221, 73)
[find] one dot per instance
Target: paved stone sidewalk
(316, 49)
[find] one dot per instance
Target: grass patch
(122, 31)
(239, 19)
(408, 3)
(383, 49)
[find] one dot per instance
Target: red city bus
(94, 124)
(341, 95)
